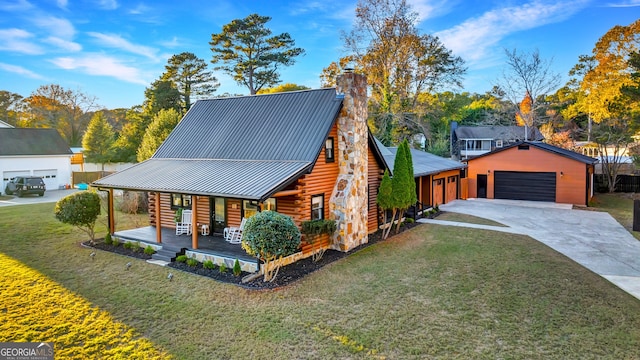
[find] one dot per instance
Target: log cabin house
(307, 154)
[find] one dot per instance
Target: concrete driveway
(592, 239)
(49, 196)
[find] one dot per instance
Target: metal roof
(246, 179)
(31, 141)
(504, 133)
(548, 147)
(281, 126)
(241, 147)
(424, 163)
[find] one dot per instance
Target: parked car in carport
(24, 185)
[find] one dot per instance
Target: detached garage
(34, 152)
(532, 171)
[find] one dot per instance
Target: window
(328, 150)
(523, 147)
(180, 201)
(269, 204)
(250, 207)
(317, 207)
(498, 143)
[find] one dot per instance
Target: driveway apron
(592, 239)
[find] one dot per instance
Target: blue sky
(113, 49)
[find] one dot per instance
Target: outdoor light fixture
(561, 174)
(488, 171)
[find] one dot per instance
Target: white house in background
(35, 152)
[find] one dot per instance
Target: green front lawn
(619, 206)
(431, 292)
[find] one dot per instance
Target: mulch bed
(286, 275)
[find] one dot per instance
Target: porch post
(194, 221)
(112, 223)
(420, 199)
(158, 219)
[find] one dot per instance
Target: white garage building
(35, 152)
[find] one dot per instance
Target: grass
(619, 206)
(464, 218)
(431, 292)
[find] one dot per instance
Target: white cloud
(118, 42)
(428, 9)
(108, 4)
(20, 5)
(172, 43)
(54, 26)
(475, 38)
(628, 3)
(20, 70)
(62, 3)
(64, 44)
(16, 40)
(139, 10)
(102, 65)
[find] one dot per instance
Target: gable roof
(242, 147)
(281, 126)
(32, 142)
(504, 133)
(547, 147)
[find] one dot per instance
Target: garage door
(50, 177)
(515, 185)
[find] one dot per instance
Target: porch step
(168, 253)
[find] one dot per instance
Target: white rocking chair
(184, 226)
(234, 234)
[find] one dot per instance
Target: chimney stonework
(348, 205)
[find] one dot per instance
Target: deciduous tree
(10, 107)
(246, 50)
(530, 76)
(282, 88)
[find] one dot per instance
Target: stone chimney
(348, 204)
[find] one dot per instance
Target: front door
(482, 186)
(218, 210)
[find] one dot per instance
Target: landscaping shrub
(128, 245)
(79, 209)
(134, 202)
(149, 250)
(237, 270)
(192, 262)
(107, 239)
(222, 268)
(182, 258)
(208, 264)
(270, 236)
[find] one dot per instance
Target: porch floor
(207, 244)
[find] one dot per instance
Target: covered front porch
(210, 247)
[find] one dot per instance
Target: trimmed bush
(149, 250)
(80, 209)
(270, 236)
(182, 258)
(192, 262)
(222, 268)
(128, 245)
(107, 239)
(237, 270)
(208, 264)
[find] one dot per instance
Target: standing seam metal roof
(244, 147)
(424, 163)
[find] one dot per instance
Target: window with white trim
(317, 207)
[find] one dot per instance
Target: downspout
(109, 207)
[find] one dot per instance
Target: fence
(88, 177)
(624, 183)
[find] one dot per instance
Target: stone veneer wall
(348, 203)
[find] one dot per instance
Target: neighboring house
(532, 171)
(437, 178)
(307, 154)
(613, 155)
(35, 152)
(4, 125)
(470, 141)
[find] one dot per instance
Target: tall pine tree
(98, 140)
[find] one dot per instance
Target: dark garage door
(515, 185)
